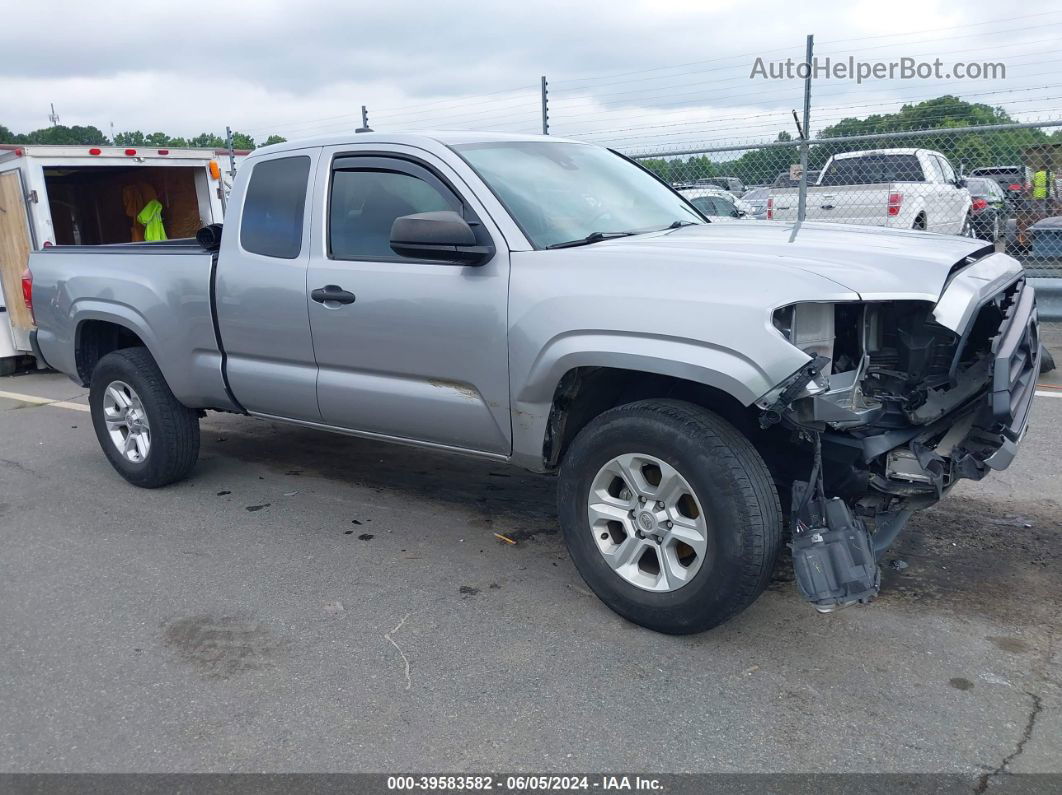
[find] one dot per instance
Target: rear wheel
(669, 514)
(146, 434)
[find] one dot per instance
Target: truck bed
(163, 292)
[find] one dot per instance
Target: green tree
(937, 116)
(8, 137)
(206, 141)
(130, 138)
(274, 139)
(242, 141)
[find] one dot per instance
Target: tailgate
(849, 204)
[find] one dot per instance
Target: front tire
(149, 437)
(670, 515)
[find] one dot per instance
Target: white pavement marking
(1045, 393)
(42, 401)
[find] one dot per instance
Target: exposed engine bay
(899, 400)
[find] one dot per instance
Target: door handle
(332, 293)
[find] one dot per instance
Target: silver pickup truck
(697, 386)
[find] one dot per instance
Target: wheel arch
(99, 330)
(623, 366)
(585, 392)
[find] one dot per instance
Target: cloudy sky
(644, 76)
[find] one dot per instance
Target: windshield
(562, 192)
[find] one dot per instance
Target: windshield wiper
(593, 237)
(679, 225)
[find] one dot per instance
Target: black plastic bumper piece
(833, 555)
(36, 348)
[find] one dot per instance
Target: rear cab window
(273, 209)
(872, 169)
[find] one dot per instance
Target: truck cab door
(413, 349)
(260, 288)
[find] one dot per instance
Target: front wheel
(146, 434)
(669, 514)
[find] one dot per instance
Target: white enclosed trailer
(91, 195)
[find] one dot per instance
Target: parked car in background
(732, 184)
(714, 201)
(756, 199)
(783, 180)
(548, 303)
(989, 208)
(1012, 179)
(896, 188)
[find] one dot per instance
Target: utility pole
(805, 133)
(364, 128)
(545, 106)
(232, 152)
(53, 117)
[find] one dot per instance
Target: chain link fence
(1000, 183)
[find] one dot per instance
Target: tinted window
(365, 203)
(713, 205)
(272, 211)
(869, 169)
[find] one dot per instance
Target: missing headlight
(809, 327)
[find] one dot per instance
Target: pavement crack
(1030, 723)
(405, 659)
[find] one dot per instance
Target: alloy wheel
(647, 522)
(126, 421)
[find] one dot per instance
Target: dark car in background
(732, 184)
(1012, 179)
(990, 208)
(783, 180)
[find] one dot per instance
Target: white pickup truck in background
(895, 188)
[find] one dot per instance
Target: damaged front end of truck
(899, 400)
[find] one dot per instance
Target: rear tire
(128, 397)
(731, 490)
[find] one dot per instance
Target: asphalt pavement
(309, 602)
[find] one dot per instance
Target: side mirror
(960, 182)
(442, 235)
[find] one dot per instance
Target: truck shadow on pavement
(521, 504)
(969, 555)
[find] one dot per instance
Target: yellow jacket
(151, 218)
(1039, 185)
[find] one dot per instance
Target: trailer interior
(96, 205)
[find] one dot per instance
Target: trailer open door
(15, 246)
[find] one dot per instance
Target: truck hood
(876, 263)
